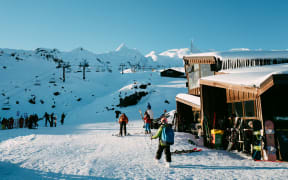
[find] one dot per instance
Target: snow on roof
(245, 54)
(189, 98)
(180, 69)
(253, 76)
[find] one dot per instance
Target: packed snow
(84, 148)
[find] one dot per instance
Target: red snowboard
(270, 140)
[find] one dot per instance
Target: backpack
(167, 136)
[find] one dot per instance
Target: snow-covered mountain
(31, 83)
(171, 58)
(124, 56)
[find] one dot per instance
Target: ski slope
(89, 151)
(84, 148)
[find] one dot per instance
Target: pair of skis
(118, 135)
(189, 150)
(186, 151)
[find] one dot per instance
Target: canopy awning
(190, 100)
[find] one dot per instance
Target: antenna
(191, 48)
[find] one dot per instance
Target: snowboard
(270, 140)
(257, 140)
(142, 117)
(141, 114)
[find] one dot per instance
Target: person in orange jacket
(123, 120)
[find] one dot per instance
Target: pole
(84, 72)
(63, 73)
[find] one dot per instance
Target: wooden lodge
(237, 94)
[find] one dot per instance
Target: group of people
(52, 119)
(148, 118)
(30, 121)
(25, 121)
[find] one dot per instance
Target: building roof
(189, 99)
(249, 77)
(243, 54)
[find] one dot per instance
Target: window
(238, 109)
(230, 108)
(249, 109)
(206, 70)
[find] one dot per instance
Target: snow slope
(84, 148)
(90, 152)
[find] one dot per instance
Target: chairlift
(52, 80)
(6, 105)
(37, 82)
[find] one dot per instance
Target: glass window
(249, 109)
(206, 70)
(238, 109)
(193, 75)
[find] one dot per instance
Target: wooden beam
(267, 84)
(199, 59)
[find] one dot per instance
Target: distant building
(172, 73)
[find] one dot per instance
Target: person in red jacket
(123, 120)
(147, 121)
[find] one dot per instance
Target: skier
(150, 113)
(30, 122)
(3, 123)
(36, 119)
(62, 118)
(11, 123)
(117, 114)
(21, 122)
(162, 146)
(123, 120)
(147, 121)
(55, 121)
(46, 115)
(51, 119)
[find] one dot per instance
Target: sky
(102, 25)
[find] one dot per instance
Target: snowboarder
(147, 121)
(162, 145)
(123, 120)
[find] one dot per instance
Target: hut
(172, 73)
(236, 88)
(251, 96)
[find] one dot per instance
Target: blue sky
(102, 25)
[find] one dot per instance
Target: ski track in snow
(90, 151)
